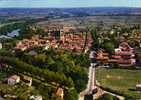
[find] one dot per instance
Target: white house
(0, 45)
(12, 80)
(138, 87)
(47, 47)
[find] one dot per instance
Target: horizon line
(76, 7)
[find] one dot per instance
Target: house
(138, 87)
(46, 47)
(60, 92)
(27, 80)
(101, 55)
(0, 45)
(12, 80)
(35, 97)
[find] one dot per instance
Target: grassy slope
(121, 80)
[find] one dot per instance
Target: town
(74, 58)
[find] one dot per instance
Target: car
(105, 66)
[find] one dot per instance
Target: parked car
(105, 66)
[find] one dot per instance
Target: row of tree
(45, 75)
(61, 61)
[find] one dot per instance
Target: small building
(14, 79)
(27, 80)
(47, 46)
(0, 45)
(60, 92)
(138, 87)
(35, 97)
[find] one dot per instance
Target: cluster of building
(26, 80)
(74, 42)
(124, 55)
(62, 27)
(15, 79)
(35, 41)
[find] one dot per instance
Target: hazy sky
(70, 3)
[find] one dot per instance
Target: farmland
(121, 81)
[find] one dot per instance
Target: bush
(107, 97)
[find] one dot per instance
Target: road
(91, 78)
(4, 24)
(91, 83)
(1, 25)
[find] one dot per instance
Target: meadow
(121, 81)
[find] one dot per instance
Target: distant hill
(69, 11)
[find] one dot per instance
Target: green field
(122, 81)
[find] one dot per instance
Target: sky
(69, 3)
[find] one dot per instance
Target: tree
(108, 46)
(23, 97)
(47, 75)
(71, 95)
(40, 31)
(50, 60)
(40, 59)
(96, 42)
(54, 97)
